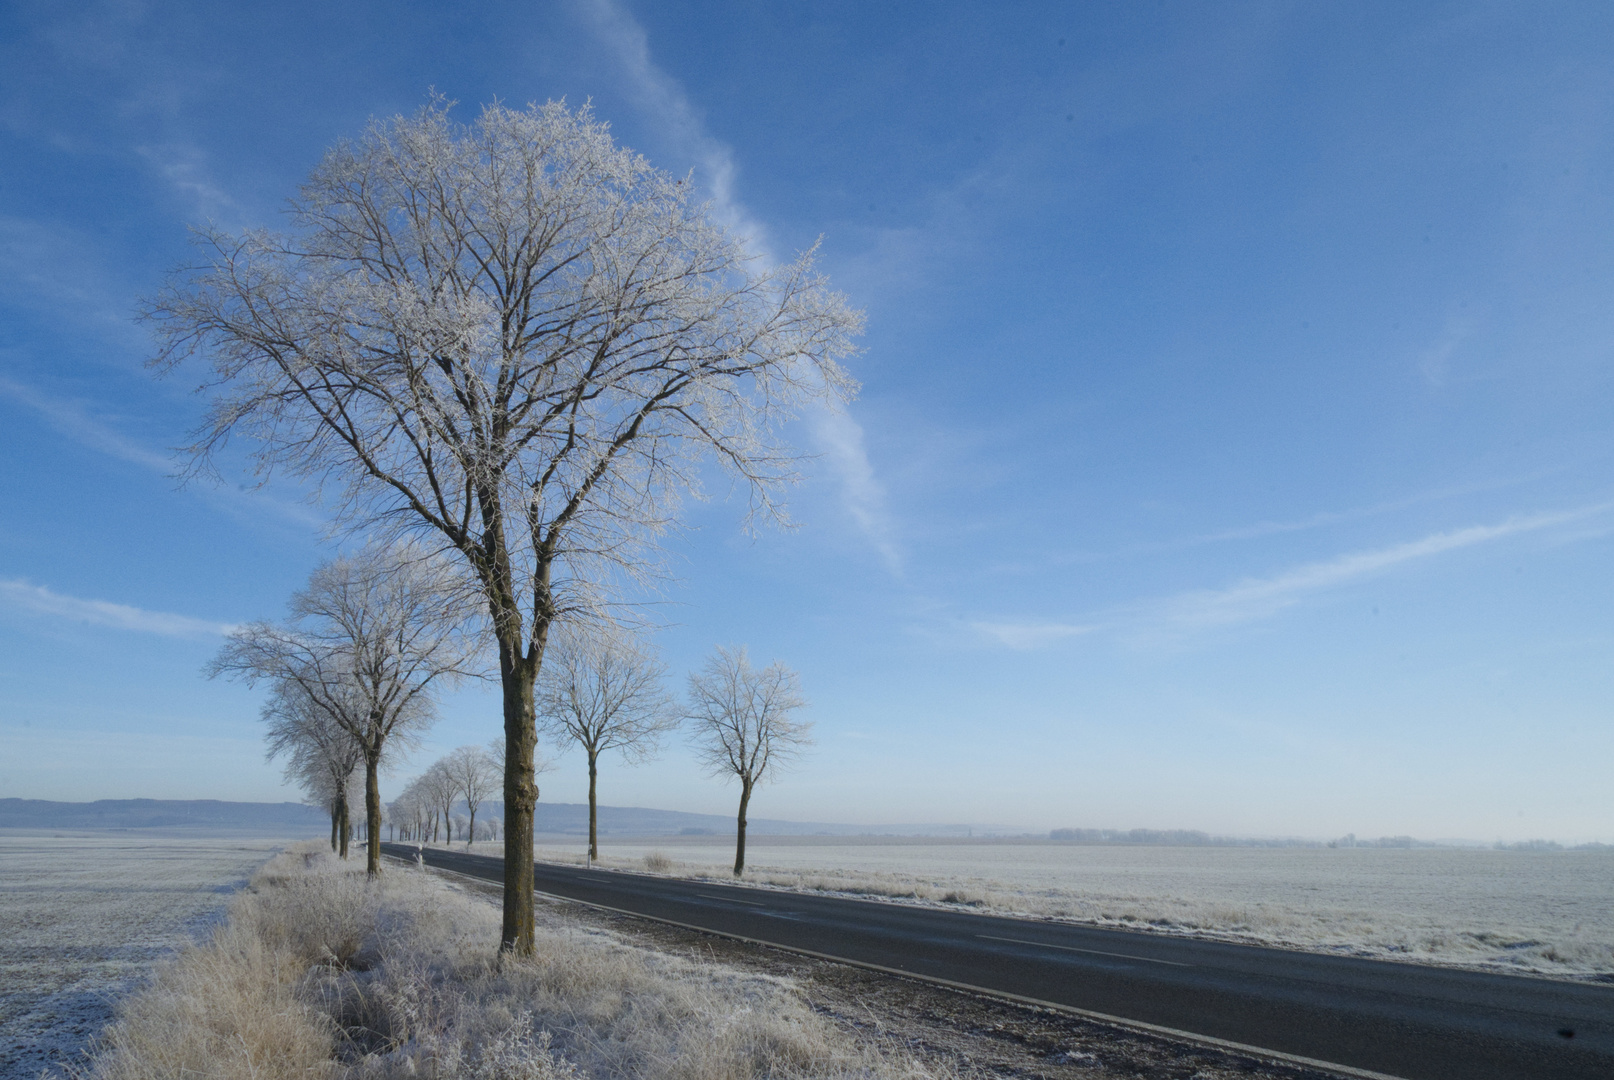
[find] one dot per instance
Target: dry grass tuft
(321, 974)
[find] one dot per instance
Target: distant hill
(572, 819)
(297, 819)
(288, 818)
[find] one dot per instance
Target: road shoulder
(977, 1035)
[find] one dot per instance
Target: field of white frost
(83, 918)
(1543, 912)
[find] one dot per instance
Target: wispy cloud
(1337, 517)
(21, 594)
(841, 438)
(185, 168)
(60, 270)
(1262, 529)
(1258, 598)
(73, 419)
(1434, 363)
(679, 122)
(1253, 599)
(76, 421)
(682, 128)
(1029, 635)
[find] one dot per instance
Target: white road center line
(1093, 952)
(730, 899)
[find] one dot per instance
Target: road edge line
(1275, 1056)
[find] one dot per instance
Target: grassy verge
(318, 973)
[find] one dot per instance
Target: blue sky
(1235, 438)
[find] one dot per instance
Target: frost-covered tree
(370, 641)
(407, 814)
(322, 756)
(474, 776)
(520, 339)
(438, 786)
(416, 804)
(743, 724)
(601, 688)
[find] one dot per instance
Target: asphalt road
(1402, 1020)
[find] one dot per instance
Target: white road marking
(730, 899)
(1094, 952)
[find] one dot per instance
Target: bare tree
(602, 689)
(323, 757)
(410, 811)
(520, 339)
(438, 787)
(743, 723)
(419, 801)
(474, 776)
(370, 640)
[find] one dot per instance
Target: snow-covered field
(83, 917)
(1545, 912)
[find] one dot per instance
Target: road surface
(1401, 1020)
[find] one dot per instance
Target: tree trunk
(336, 823)
(517, 673)
(470, 834)
(372, 816)
(344, 831)
(739, 842)
(593, 808)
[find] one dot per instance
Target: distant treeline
(1194, 838)
(1167, 838)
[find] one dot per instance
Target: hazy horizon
(938, 831)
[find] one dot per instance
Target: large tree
(370, 641)
(744, 725)
(602, 689)
(521, 339)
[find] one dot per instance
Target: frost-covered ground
(84, 917)
(1541, 912)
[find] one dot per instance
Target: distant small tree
(407, 813)
(414, 811)
(743, 724)
(370, 640)
(438, 788)
(474, 775)
(323, 757)
(602, 689)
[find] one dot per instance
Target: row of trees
(353, 674)
(515, 342)
(604, 691)
(353, 677)
(468, 775)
